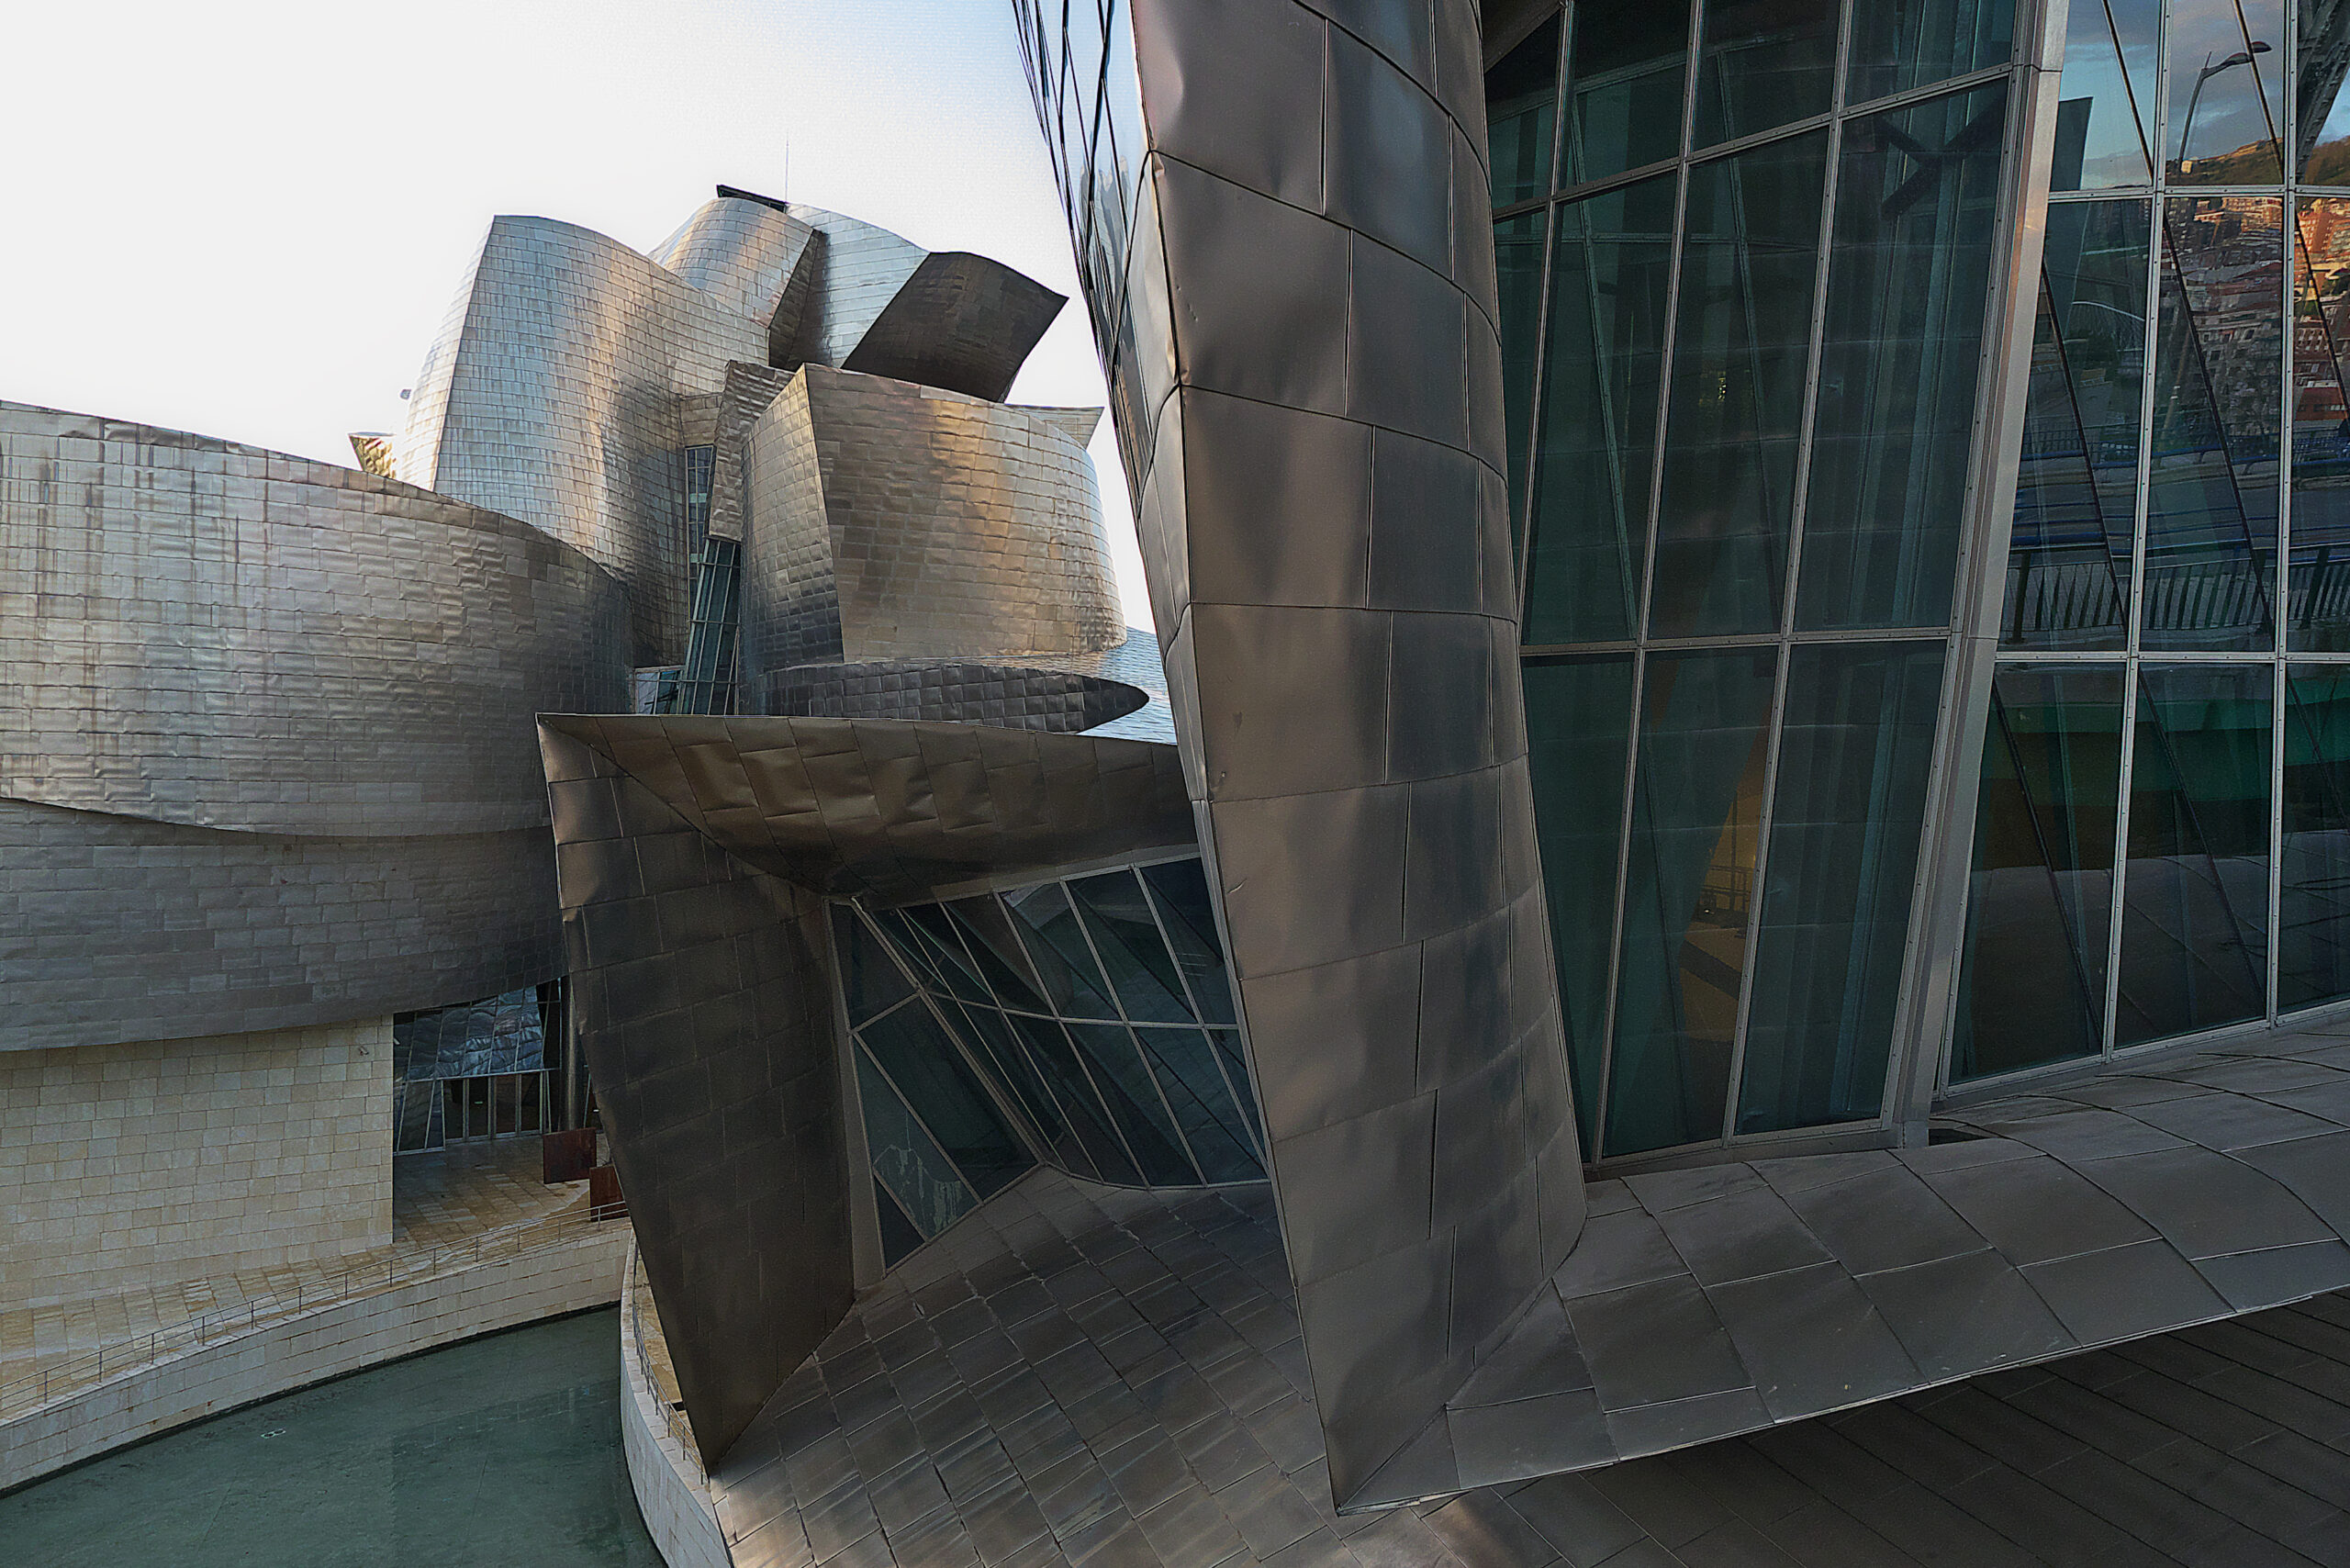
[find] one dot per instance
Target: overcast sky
(247, 219)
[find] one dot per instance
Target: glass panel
(505, 1103)
(1133, 1101)
(2321, 48)
(2211, 515)
(1127, 940)
(2313, 896)
(2318, 593)
(943, 950)
(2225, 113)
(1179, 891)
(1856, 747)
(1056, 949)
(985, 1031)
(1916, 204)
(2076, 487)
(477, 1123)
(1762, 63)
(1185, 1067)
(1521, 113)
(453, 1108)
(1578, 723)
(1624, 75)
(1517, 261)
(530, 1085)
(1697, 803)
(2105, 95)
(1743, 337)
(2195, 890)
(898, 1235)
(871, 981)
(2039, 904)
(941, 1090)
(1235, 1073)
(908, 948)
(1089, 1118)
(904, 1160)
(1900, 44)
(1610, 272)
(988, 937)
(412, 1116)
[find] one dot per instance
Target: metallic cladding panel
(885, 521)
(214, 635)
(553, 395)
(858, 270)
(1307, 303)
(1005, 696)
(961, 323)
(886, 810)
(741, 254)
(116, 929)
(702, 994)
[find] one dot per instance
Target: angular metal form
(961, 323)
(886, 520)
(1285, 237)
(891, 810)
(702, 997)
(252, 684)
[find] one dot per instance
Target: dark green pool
(503, 1451)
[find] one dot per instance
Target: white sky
(246, 218)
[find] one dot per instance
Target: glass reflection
(2105, 94)
(1185, 1065)
(2195, 889)
(2317, 612)
(2313, 895)
(870, 980)
(2224, 112)
(1117, 1067)
(1751, 247)
(2211, 512)
(1900, 44)
(1624, 77)
(1856, 744)
(1763, 64)
(942, 1094)
(2039, 907)
(1178, 891)
(1909, 263)
(1578, 723)
(2077, 485)
(2322, 55)
(1696, 807)
(1517, 264)
(1611, 266)
(1521, 115)
(905, 1162)
(1126, 936)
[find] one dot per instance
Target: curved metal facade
(1282, 233)
(266, 758)
(741, 252)
(553, 395)
(886, 520)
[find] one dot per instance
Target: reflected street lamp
(2187, 131)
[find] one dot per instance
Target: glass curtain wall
(1745, 256)
(1091, 1013)
(478, 1070)
(2157, 843)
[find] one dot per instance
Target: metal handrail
(670, 1415)
(33, 1390)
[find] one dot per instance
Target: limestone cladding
(160, 1161)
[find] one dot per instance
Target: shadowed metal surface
(553, 395)
(888, 810)
(702, 994)
(886, 520)
(211, 634)
(962, 322)
(1285, 242)
(1086, 1375)
(1002, 695)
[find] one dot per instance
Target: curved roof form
(962, 322)
(233, 638)
(739, 252)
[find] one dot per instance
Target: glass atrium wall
(2159, 844)
(1746, 257)
(1087, 1021)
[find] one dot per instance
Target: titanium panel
(741, 252)
(885, 521)
(1259, 274)
(554, 393)
(1001, 695)
(858, 270)
(702, 994)
(886, 810)
(211, 634)
(961, 323)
